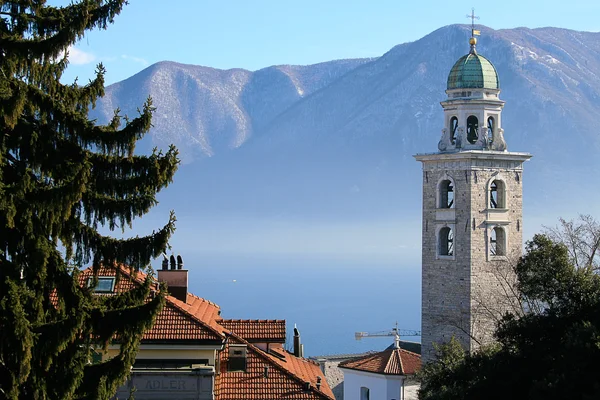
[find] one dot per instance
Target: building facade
(472, 212)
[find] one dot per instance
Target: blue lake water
(328, 300)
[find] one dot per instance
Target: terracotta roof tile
(172, 323)
(193, 320)
(387, 362)
(256, 330)
(306, 369)
(203, 310)
(285, 377)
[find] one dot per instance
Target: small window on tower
(497, 242)
(497, 194)
(491, 127)
(453, 128)
(472, 129)
(446, 194)
(446, 242)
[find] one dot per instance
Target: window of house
(446, 242)
(497, 194)
(364, 393)
(446, 194)
(472, 129)
(453, 128)
(491, 127)
(237, 357)
(497, 242)
(106, 284)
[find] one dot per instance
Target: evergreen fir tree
(61, 179)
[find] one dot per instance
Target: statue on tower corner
(498, 143)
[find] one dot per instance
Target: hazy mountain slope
(389, 108)
(334, 141)
(205, 111)
(548, 79)
(272, 90)
(203, 103)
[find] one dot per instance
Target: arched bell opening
(491, 125)
(453, 129)
(472, 129)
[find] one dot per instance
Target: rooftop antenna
(474, 32)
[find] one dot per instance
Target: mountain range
(266, 152)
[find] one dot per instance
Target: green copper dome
(473, 72)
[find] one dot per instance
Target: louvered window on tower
(497, 242)
(497, 194)
(237, 357)
(446, 242)
(446, 194)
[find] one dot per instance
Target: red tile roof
(174, 323)
(201, 309)
(387, 362)
(306, 369)
(286, 377)
(193, 320)
(256, 330)
(198, 319)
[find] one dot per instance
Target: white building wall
(381, 387)
(394, 388)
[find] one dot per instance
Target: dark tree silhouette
(61, 179)
(549, 352)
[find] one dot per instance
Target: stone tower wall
(464, 294)
(445, 281)
(492, 276)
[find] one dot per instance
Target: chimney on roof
(179, 262)
(176, 279)
(318, 383)
(298, 347)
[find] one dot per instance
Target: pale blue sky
(256, 34)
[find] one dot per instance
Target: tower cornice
(472, 159)
(471, 102)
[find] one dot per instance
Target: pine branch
(82, 241)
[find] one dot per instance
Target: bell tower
(472, 211)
